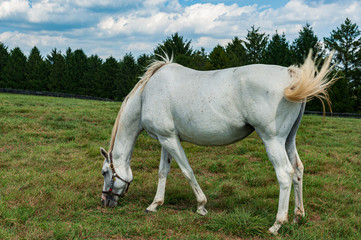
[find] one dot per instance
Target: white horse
(174, 103)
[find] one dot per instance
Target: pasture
(50, 179)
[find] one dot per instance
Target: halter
(114, 176)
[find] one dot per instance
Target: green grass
(50, 180)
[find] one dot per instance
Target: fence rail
(334, 114)
(53, 94)
(68, 95)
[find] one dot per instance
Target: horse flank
(150, 71)
(308, 83)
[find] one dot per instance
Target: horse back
(211, 107)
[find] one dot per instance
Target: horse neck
(127, 132)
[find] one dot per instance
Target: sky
(117, 27)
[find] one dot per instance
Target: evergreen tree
(57, 67)
(218, 58)
(346, 42)
(143, 61)
(255, 45)
(69, 76)
(301, 46)
(76, 65)
(178, 47)
(199, 60)
(278, 51)
(14, 70)
(4, 55)
(109, 75)
(128, 76)
(357, 84)
(36, 71)
(91, 77)
(236, 53)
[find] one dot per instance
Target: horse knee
(188, 174)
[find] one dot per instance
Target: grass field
(50, 180)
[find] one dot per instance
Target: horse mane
(151, 69)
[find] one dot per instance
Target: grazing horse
(174, 103)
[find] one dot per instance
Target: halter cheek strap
(114, 176)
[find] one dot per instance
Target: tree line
(75, 72)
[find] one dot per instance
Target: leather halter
(114, 176)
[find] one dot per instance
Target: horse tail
(308, 83)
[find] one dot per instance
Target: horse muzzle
(108, 201)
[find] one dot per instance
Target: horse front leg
(276, 151)
(164, 168)
(173, 146)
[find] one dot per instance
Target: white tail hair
(308, 83)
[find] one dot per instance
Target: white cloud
(13, 7)
(199, 19)
(29, 40)
(137, 26)
(104, 3)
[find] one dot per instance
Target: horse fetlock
(299, 214)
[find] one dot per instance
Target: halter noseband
(114, 176)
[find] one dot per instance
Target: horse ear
(104, 153)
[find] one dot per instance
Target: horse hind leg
(297, 165)
(164, 168)
(284, 171)
(173, 146)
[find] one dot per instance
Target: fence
(53, 94)
(335, 114)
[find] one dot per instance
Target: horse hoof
(150, 211)
(274, 229)
(202, 211)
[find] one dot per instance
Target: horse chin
(112, 203)
(107, 201)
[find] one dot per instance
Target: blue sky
(114, 28)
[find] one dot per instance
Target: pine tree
(178, 47)
(255, 45)
(236, 53)
(57, 67)
(14, 70)
(346, 42)
(36, 71)
(4, 55)
(76, 65)
(91, 77)
(218, 58)
(128, 76)
(109, 75)
(143, 61)
(278, 51)
(301, 46)
(199, 60)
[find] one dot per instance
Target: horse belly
(216, 134)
